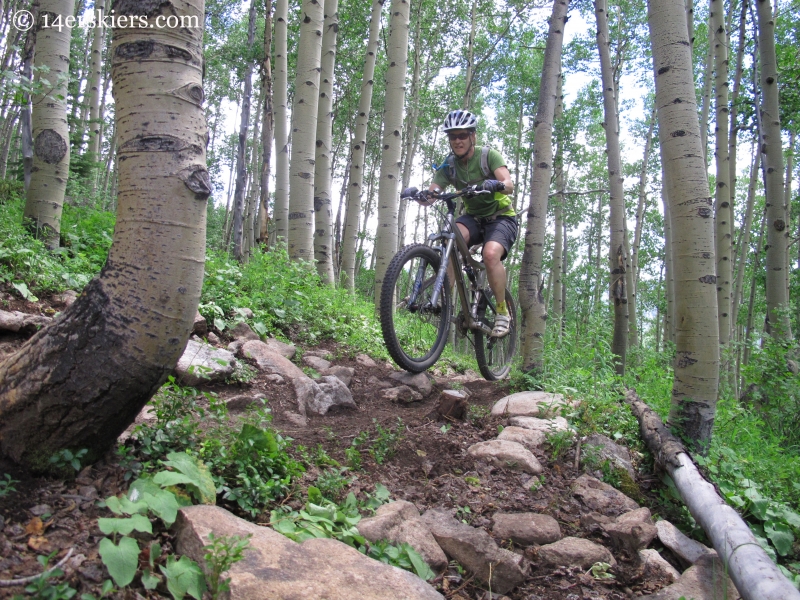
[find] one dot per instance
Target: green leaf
(758, 504)
(197, 477)
(149, 580)
(22, 288)
(120, 560)
(421, 568)
(161, 502)
(184, 577)
(125, 526)
(780, 535)
(314, 495)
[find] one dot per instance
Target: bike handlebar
(468, 192)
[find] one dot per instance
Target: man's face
(460, 140)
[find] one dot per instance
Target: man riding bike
(489, 219)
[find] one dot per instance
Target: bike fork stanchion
(437, 286)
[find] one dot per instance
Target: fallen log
(755, 575)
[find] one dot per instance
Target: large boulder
(276, 568)
(345, 374)
(632, 531)
(201, 363)
(401, 394)
(572, 551)
(242, 331)
(417, 381)
(331, 392)
(282, 348)
(707, 579)
(399, 522)
(601, 497)
(598, 448)
(530, 438)
(316, 362)
(526, 529)
(475, 550)
(529, 404)
(507, 455)
(655, 566)
(546, 426)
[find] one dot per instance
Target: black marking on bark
(770, 80)
(663, 70)
(175, 52)
(704, 212)
(148, 8)
(779, 225)
(153, 143)
(297, 215)
(543, 165)
(725, 204)
(196, 179)
(140, 49)
(679, 133)
(683, 360)
(304, 175)
(677, 101)
(307, 19)
(708, 279)
(50, 146)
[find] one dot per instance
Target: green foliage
(385, 443)
(331, 482)
(559, 442)
(63, 459)
(184, 576)
(222, 553)
(7, 485)
(42, 588)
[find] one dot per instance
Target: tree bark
(707, 85)
(281, 210)
(558, 209)
(26, 72)
(777, 231)
(617, 255)
(350, 233)
(397, 51)
(470, 70)
(633, 280)
(694, 392)
(94, 85)
(744, 245)
(239, 243)
(50, 171)
(267, 127)
(304, 129)
(755, 575)
(79, 382)
(323, 211)
(532, 307)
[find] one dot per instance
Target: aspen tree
(94, 84)
(397, 52)
(83, 379)
(696, 367)
(50, 171)
(533, 308)
(281, 210)
(304, 129)
(267, 127)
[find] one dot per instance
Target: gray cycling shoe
(502, 325)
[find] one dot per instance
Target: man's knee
(493, 253)
(464, 232)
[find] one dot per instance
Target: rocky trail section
(478, 491)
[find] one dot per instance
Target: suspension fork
(437, 286)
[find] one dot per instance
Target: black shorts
(502, 230)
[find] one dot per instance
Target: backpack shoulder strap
(450, 170)
(487, 173)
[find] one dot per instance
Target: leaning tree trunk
(723, 196)
(617, 258)
(239, 243)
(304, 129)
(50, 170)
(323, 235)
(79, 382)
(350, 234)
(397, 53)
(531, 300)
(281, 210)
(696, 368)
(777, 232)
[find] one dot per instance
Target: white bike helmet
(460, 119)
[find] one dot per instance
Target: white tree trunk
(281, 210)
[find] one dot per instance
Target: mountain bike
(415, 303)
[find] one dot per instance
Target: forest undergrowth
(754, 458)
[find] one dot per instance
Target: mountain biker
(489, 218)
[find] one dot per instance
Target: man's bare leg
(495, 270)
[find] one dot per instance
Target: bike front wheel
(494, 355)
(414, 329)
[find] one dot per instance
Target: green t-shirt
(471, 174)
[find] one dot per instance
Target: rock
(572, 551)
(553, 425)
(276, 567)
(452, 405)
(332, 393)
(705, 580)
(344, 374)
(315, 362)
(241, 402)
(632, 531)
(399, 522)
(318, 353)
(402, 394)
(242, 331)
(213, 338)
(20, 321)
(374, 382)
(202, 363)
(529, 404)
(199, 327)
(68, 297)
(526, 528)
(793, 366)
(365, 361)
(475, 550)
(316, 397)
(282, 348)
(505, 454)
(41, 509)
(592, 521)
(236, 347)
(598, 448)
(684, 547)
(275, 378)
(656, 566)
(246, 313)
(601, 497)
(295, 419)
(417, 381)
(529, 438)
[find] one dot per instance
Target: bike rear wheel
(415, 331)
(494, 355)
